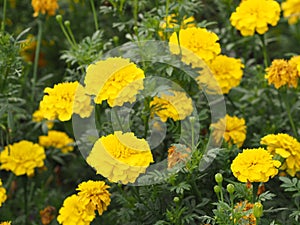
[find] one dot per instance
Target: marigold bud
(217, 189)
(230, 188)
(257, 209)
(59, 18)
(176, 199)
(67, 23)
(219, 178)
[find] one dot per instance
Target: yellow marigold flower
(291, 10)
(94, 195)
(47, 215)
(171, 106)
(227, 71)
(281, 73)
(74, 212)
(44, 6)
(5, 223)
(232, 129)
(295, 63)
(287, 147)
(171, 22)
(63, 100)
(38, 116)
(57, 139)
(254, 165)
(116, 80)
(247, 208)
(22, 158)
(195, 41)
(255, 15)
(3, 196)
(120, 157)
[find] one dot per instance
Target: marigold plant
(282, 73)
(231, 128)
(116, 80)
(94, 195)
(57, 139)
(195, 42)
(287, 147)
(228, 71)
(170, 106)
(255, 15)
(61, 101)
(44, 7)
(22, 158)
(120, 157)
(74, 212)
(254, 165)
(291, 10)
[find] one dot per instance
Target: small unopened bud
(116, 39)
(135, 29)
(219, 178)
(59, 18)
(230, 188)
(257, 210)
(67, 23)
(217, 189)
(176, 199)
(192, 120)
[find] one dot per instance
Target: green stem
(25, 181)
(135, 12)
(232, 207)
(288, 111)
(118, 119)
(257, 220)
(68, 26)
(4, 15)
(264, 50)
(254, 191)
(36, 57)
(221, 192)
(95, 15)
(64, 30)
(166, 18)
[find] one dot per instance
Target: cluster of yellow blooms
(255, 15)
(80, 208)
(63, 100)
(22, 158)
(116, 80)
(199, 43)
(120, 157)
(171, 106)
(3, 196)
(284, 72)
(170, 22)
(254, 165)
(44, 6)
(287, 147)
(232, 129)
(57, 139)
